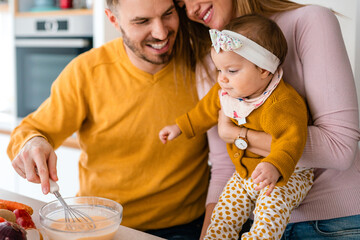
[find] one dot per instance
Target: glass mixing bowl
(106, 213)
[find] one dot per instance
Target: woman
(317, 66)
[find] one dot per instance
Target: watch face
(241, 144)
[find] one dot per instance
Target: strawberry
(24, 219)
(21, 213)
(25, 223)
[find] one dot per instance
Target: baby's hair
(263, 31)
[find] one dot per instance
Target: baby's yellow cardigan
(283, 115)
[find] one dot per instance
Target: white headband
(232, 41)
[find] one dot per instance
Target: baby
(251, 92)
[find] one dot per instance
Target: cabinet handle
(52, 43)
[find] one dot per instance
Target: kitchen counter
(122, 233)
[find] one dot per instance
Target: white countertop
(123, 232)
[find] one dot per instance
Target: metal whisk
(72, 215)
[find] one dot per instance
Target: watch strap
(243, 133)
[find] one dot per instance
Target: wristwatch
(241, 141)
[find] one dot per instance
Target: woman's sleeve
(221, 165)
(330, 92)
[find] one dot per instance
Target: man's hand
(36, 162)
(265, 174)
(169, 133)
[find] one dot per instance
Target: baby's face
(237, 76)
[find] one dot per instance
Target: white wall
(103, 30)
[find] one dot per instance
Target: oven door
(38, 63)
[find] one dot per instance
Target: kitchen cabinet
(20, 10)
(47, 38)
(23, 8)
(55, 13)
(67, 165)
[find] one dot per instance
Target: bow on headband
(223, 41)
(232, 41)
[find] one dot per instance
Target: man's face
(149, 29)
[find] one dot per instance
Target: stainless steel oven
(44, 46)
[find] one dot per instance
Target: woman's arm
(207, 220)
(329, 88)
(259, 142)
(221, 165)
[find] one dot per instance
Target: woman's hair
(182, 50)
(199, 34)
(263, 31)
(264, 7)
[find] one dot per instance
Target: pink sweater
(317, 66)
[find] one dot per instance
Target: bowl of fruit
(16, 222)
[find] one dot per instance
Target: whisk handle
(54, 187)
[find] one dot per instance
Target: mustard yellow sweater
(117, 111)
(283, 115)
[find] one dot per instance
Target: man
(117, 98)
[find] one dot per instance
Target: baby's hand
(169, 133)
(267, 175)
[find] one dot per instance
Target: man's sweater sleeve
(203, 116)
(59, 116)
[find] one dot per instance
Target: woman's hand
(259, 142)
(227, 130)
